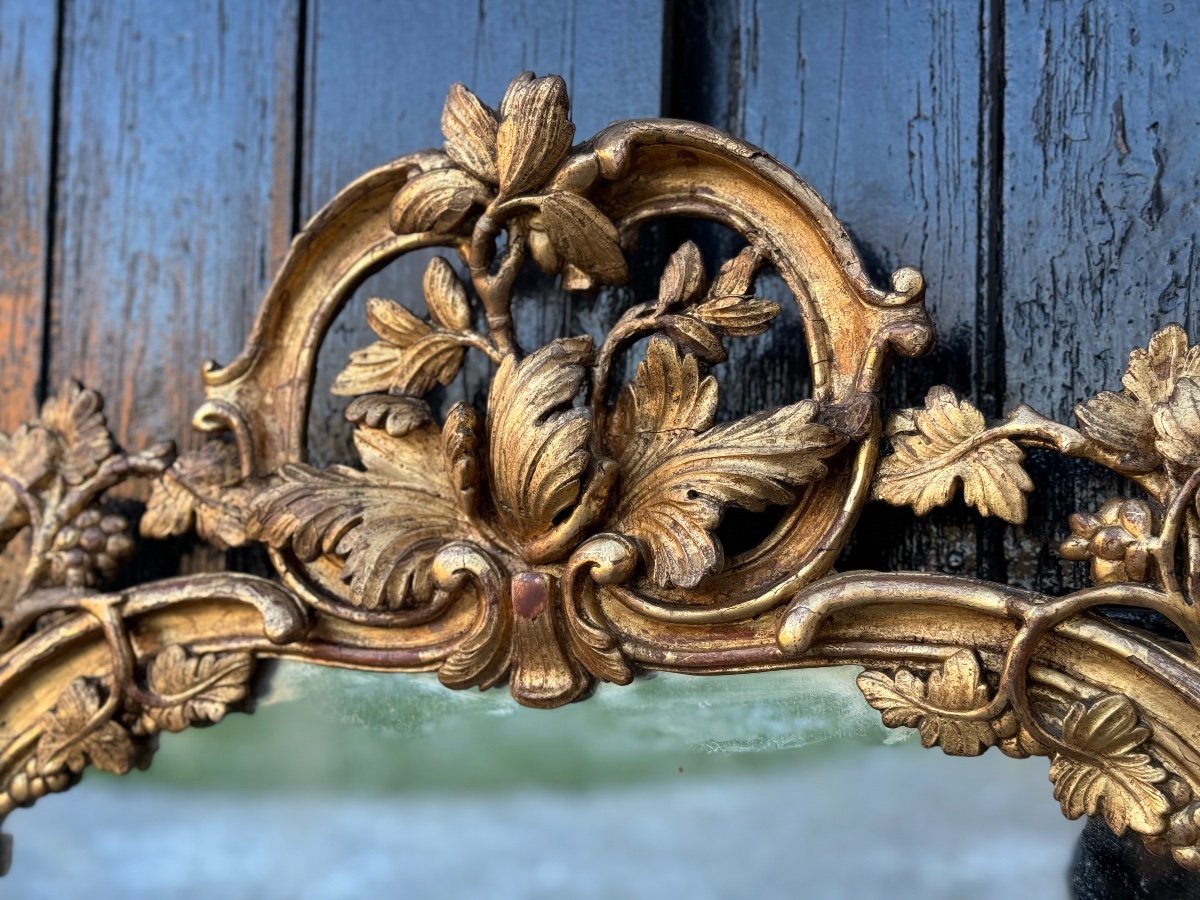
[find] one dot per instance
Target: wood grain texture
(27, 61)
(374, 93)
(1101, 219)
(881, 108)
(176, 162)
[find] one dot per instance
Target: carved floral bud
(534, 134)
(1115, 539)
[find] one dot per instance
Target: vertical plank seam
(990, 376)
(299, 119)
(52, 193)
(667, 79)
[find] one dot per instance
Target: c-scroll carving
(567, 531)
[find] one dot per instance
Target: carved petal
(539, 440)
(936, 447)
(470, 131)
(1110, 775)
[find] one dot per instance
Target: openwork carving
(567, 531)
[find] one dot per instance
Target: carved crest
(567, 528)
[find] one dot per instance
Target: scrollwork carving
(569, 529)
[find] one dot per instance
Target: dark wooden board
(174, 195)
(883, 109)
(27, 61)
(374, 93)
(1100, 220)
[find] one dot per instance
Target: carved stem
(495, 291)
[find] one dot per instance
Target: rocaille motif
(568, 530)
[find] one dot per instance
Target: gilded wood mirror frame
(570, 532)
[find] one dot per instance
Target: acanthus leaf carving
(386, 523)
(681, 471)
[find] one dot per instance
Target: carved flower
(1116, 540)
(508, 167)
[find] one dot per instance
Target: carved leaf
(64, 743)
(76, 414)
(736, 276)
(410, 359)
(666, 402)
(539, 439)
(1110, 775)
(446, 296)
(1122, 423)
(682, 279)
(470, 130)
(204, 686)
(395, 415)
(737, 316)
(581, 236)
(439, 201)
(679, 475)
(386, 523)
(693, 336)
(535, 132)
(26, 457)
(1177, 424)
(938, 446)
(395, 323)
(908, 701)
(462, 448)
(200, 491)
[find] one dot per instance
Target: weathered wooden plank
(1101, 216)
(175, 195)
(881, 107)
(27, 62)
(376, 79)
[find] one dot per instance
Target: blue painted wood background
(1038, 160)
